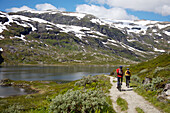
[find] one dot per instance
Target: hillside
(152, 79)
(157, 67)
(55, 37)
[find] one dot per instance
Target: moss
(122, 103)
(139, 110)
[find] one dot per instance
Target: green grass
(122, 103)
(151, 96)
(139, 110)
(158, 69)
(39, 102)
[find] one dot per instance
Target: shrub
(86, 80)
(80, 102)
(136, 78)
(153, 86)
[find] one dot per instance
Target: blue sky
(158, 10)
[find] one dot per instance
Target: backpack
(128, 72)
(120, 72)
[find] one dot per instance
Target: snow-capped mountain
(76, 37)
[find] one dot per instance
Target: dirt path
(133, 99)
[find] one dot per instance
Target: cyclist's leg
(126, 80)
(118, 81)
(121, 79)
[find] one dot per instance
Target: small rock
(147, 80)
(167, 87)
(4, 80)
(167, 93)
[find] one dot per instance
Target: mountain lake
(56, 73)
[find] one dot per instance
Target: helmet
(127, 68)
(120, 66)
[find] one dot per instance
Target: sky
(158, 10)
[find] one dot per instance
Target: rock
(161, 98)
(147, 80)
(165, 95)
(5, 80)
(167, 87)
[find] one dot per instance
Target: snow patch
(49, 28)
(158, 34)
(108, 43)
(112, 41)
(2, 28)
(160, 26)
(131, 48)
(131, 40)
(98, 21)
(22, 37)
(167, 33)
(1, 37)
(78, 15)
(156, 41)
(158, 50)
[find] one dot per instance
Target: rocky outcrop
(147, 81)
(165, 95)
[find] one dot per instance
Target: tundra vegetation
(85, 95)
(157, 70)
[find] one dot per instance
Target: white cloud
(15, 9)
(156, 6)
(61, 9)
(97, 1)
(39, 7)
(102, 12)
(46, 6)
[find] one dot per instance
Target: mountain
(52, 37)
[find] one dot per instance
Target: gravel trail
(133, 99)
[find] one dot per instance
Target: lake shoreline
(64, 64)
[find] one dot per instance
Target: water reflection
(51, 72)
(10, 91)
(30, 73)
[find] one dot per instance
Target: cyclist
(127, 75)
(119, 76)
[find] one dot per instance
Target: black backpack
(128, 72)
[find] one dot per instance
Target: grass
(158, 69)
(122, 103)
(39, 102)
(139, 110)
(151, 96)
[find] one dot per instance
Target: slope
(53, 37)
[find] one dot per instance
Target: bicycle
(119, 86)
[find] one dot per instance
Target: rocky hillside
(51, 37)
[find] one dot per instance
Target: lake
(70, 73)
(33, 73)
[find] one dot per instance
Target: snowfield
(155, 29)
